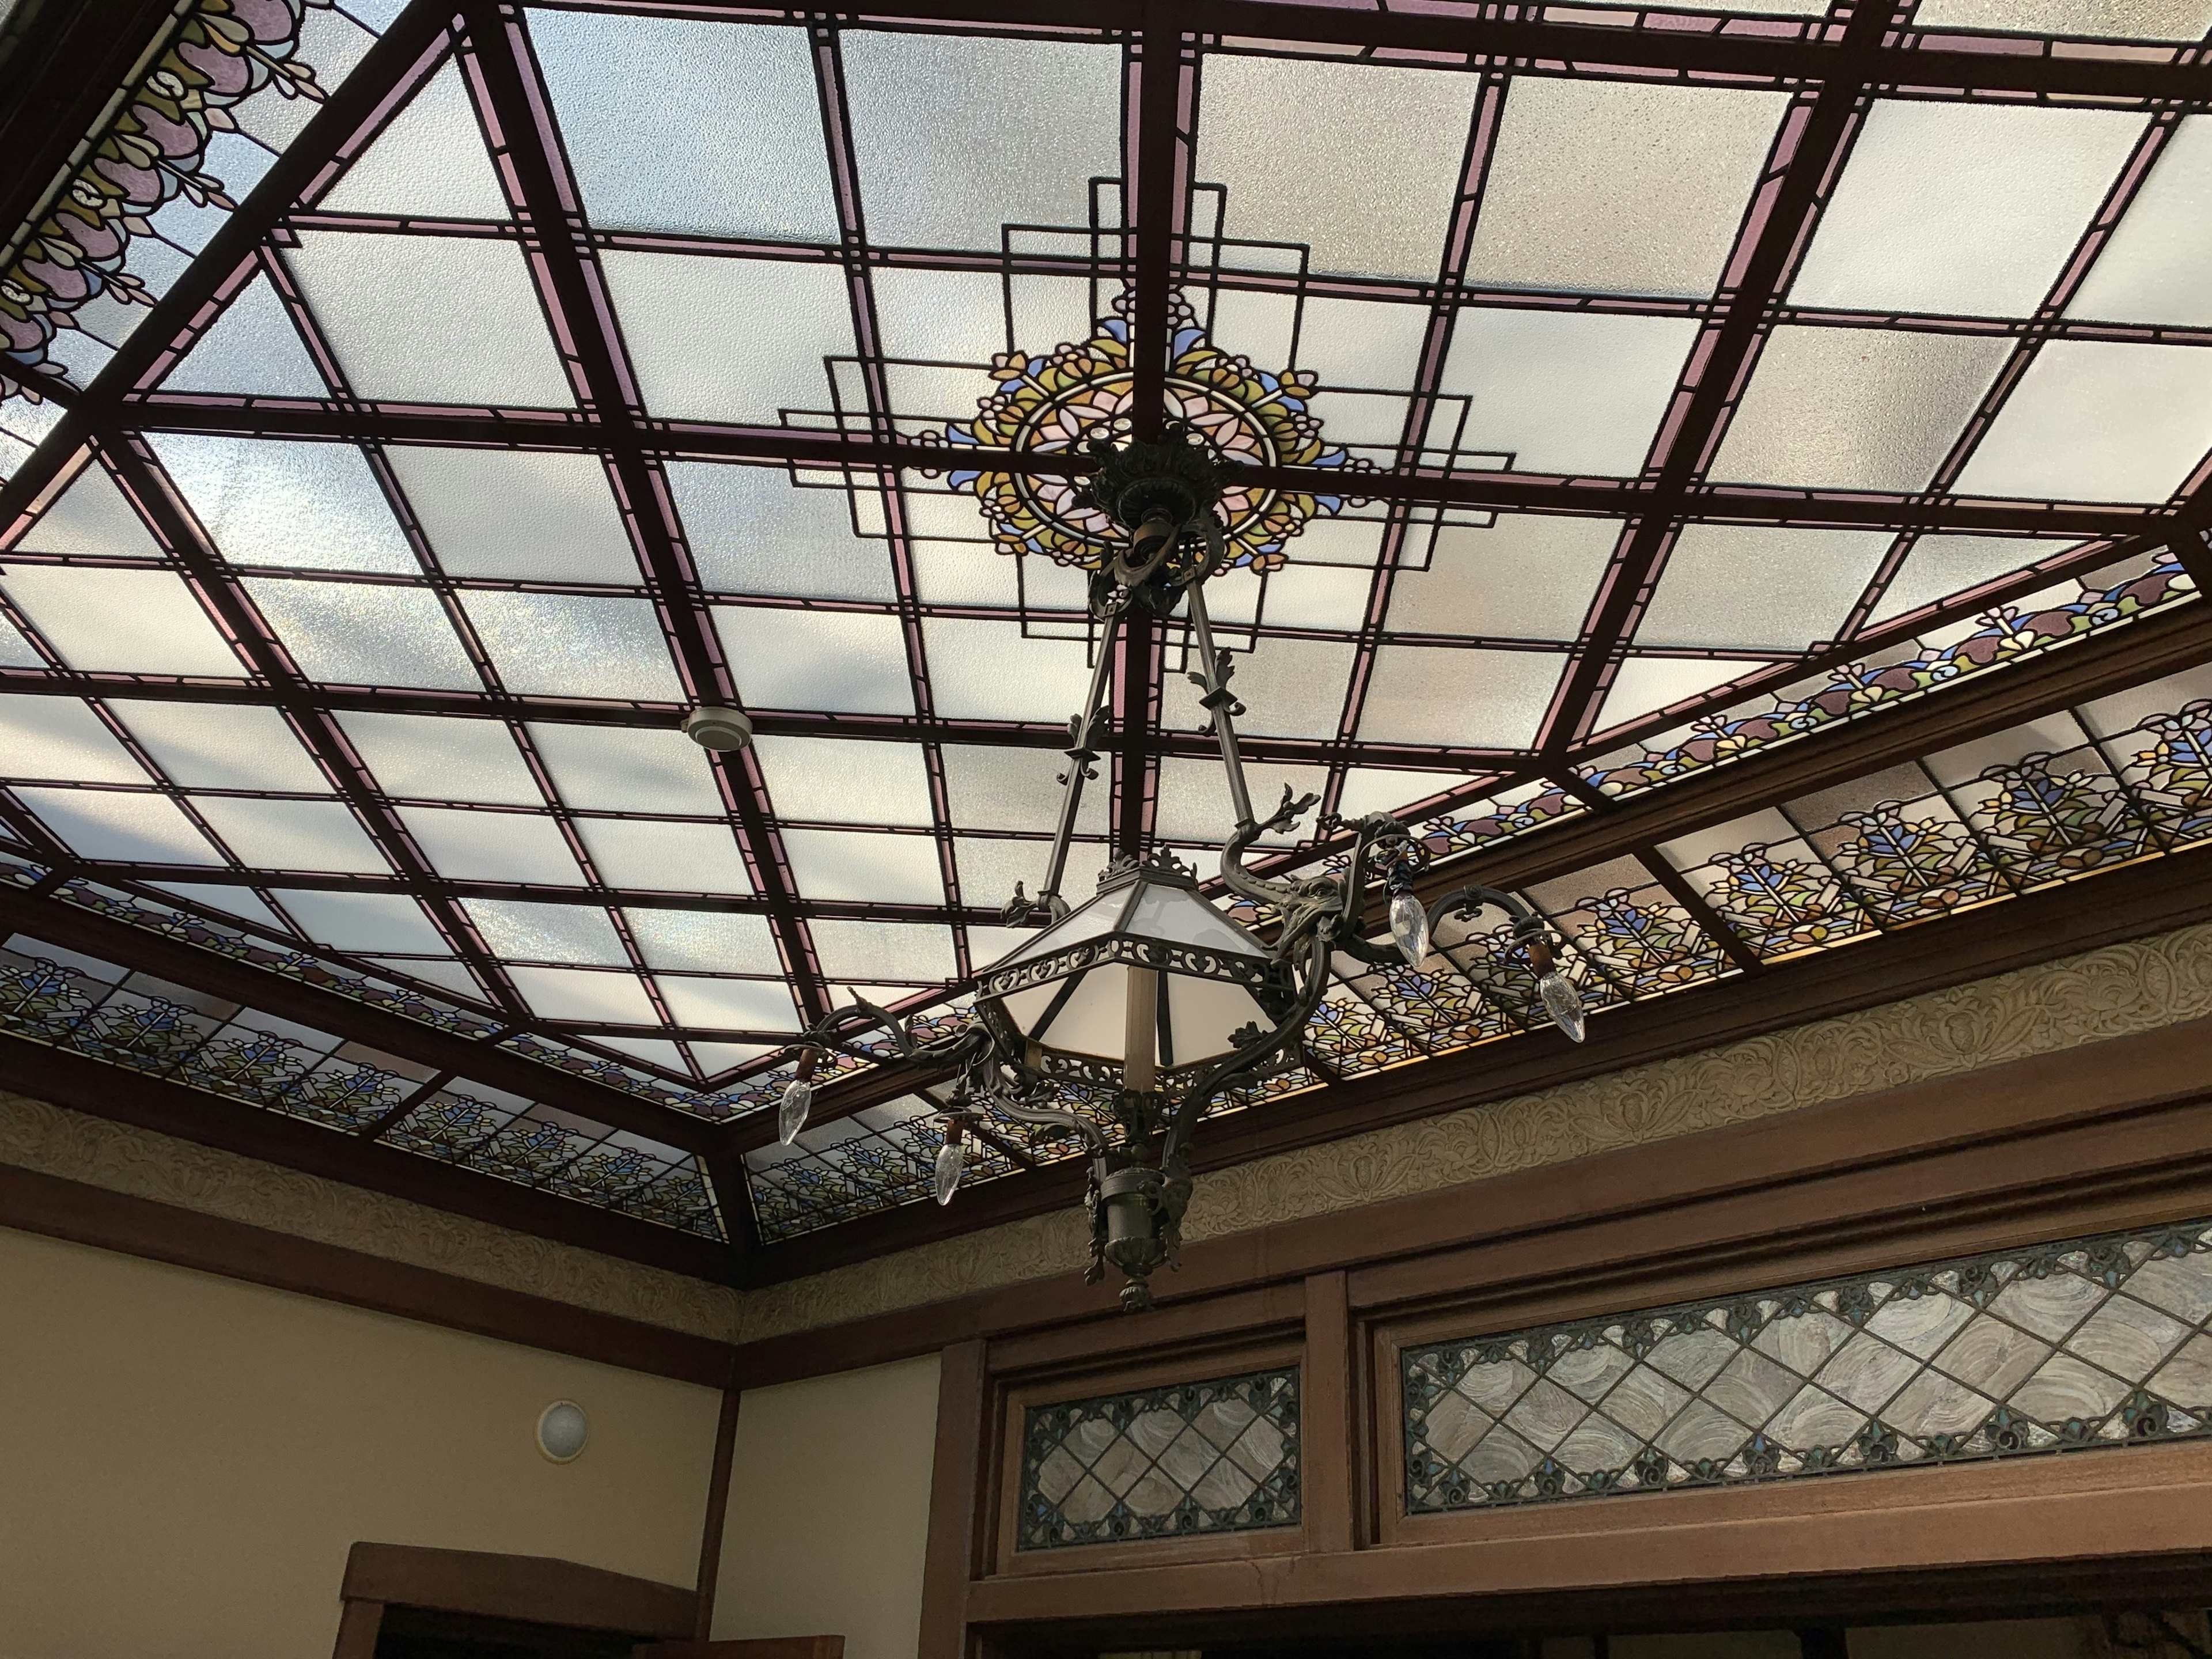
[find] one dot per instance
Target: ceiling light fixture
(1147, 993)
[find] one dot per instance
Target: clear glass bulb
(1409, 928)
(791, 1111)
(951, 1161)
(1564, 1003)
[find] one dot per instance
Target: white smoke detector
(718, 728)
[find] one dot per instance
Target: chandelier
(1147, 991)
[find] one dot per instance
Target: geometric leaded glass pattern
(2058, 1347)
(1173, 1462)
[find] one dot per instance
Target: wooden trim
(1329, 1455)
(1179, 1330)
(956, 1477)
(536, 1587)
(34, 1202)
(359, 1624)
(718, 1509)
(751, 1647)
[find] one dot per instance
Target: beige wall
(829, 1518)
(185, 1459)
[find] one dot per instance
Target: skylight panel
(239, 901)
(1037, 121)
(351, 634)
(106, 824)
(845, 780)
(870, 867)
(990, 671)
(429, 162)
(1461, 698)
(1967, 210)
(626, 770)
(751, 530)
(1320, 596)
(1194, 803)
(743, 340)
(564, 645)
(838, 662)
(729, 1004)
(61, 739)
(1528, 576)
(578, 934)
(1357, 343)
(130, 622)
(221, 745)
(2126, 20)
(1561, 392)
(433, 319)
(990, 866)
(1857, 408)
(91, 516)
(2157, 267)
(433, 757)
(251, 350)
(293, 835)
(517, 847)
(670, 858)
(361, 921)
(1359, 162)
(683, 124)
(1938, 567)
(1644, 685)
(1382, 789)
(991, 788)
(1614, 187)
(705, 941)
(581, 995)
(525, 515)
(958, 316)
(1760, 587)
(871, 952)
(1294, 689)
(2093, 421)
(305, 505)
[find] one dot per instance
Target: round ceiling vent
(562, 1431)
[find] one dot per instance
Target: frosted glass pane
(1358, 162)
(1939, 566)
(429, 162)
(753, 530)
(547, 933)
(832, 780)
(627, 769)
(133, 622)
(665, 858)
(1291, 688)
(958, 135)
(2092, 421)
(1316, 596)
(995, 788)
(957, 316)
(505, 513)
(870, 951)
(428, 757)
(1193, 800)
(1525, 577)
(1562, 391)
(1465, 699)
(307, 507)
(447, 975)
(565, 645)
(221, 745)
(1961, 208)
(2157, 267)
(251, 350)
(436, 319)
(240, 902)
(846, 663)
(1362, 342)
(2130, 20)
(709, 941)
(580, 994)
(91, 516)
(1645, 684)
(1379, 789)
(293, 835)
(673, 124)
(361, 921)
(1857, 408)
(989, 868)
(854, 864)
(1606, 187)
(729, 1004)
(98, 823)
(1760, 587)
(774, 323)
(16, 650)
(465, 846)
(989, 670)
(349, 634)
(61, 739)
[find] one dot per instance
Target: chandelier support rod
(1082, 749)
(1213, 678)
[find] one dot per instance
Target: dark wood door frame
(535, 1588)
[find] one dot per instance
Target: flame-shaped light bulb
(951, 1163)
(1409, 928)
(791, 1111)
(1564, 1003)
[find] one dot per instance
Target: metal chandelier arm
(1083, 733)
(1184, 1116)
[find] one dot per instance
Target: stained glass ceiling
(412, 411)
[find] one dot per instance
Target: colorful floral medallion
(1080, 391)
